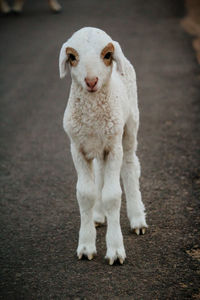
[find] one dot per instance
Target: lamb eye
(108, 55)
(72, 57)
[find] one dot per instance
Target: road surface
(39, 211)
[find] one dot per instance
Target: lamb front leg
(111, 197)
(86, 194)
(98, 212)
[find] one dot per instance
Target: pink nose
(91, 82)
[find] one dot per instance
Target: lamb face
(90, 53)
(93, 68)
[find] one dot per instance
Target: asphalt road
(39, 213)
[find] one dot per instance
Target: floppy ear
(119, 57)
(63, 60)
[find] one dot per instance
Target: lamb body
(101, 120)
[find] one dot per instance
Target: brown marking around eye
(73, 53)
(108, 49)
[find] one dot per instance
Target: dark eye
(108, 55)
(72, 57)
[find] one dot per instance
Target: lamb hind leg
(86, 194)
(135, 207)
(130, 176)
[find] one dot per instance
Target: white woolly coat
(94, 121)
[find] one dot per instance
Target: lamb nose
(91, 82)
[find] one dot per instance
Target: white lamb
(101, 120)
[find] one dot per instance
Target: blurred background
(39, 212)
